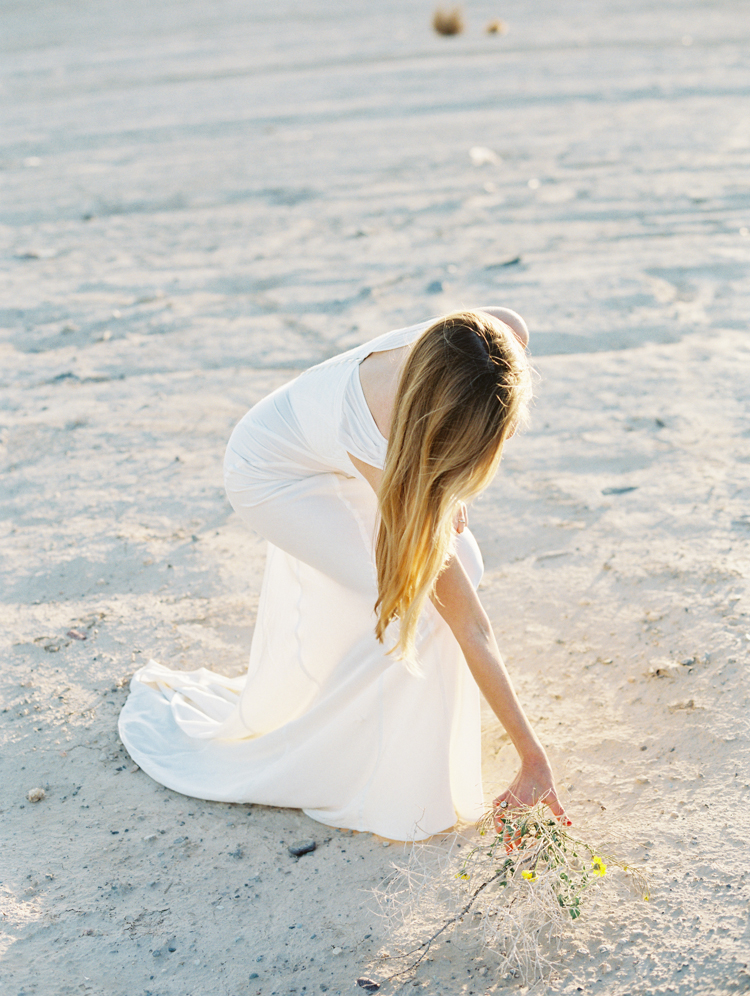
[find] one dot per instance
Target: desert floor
(200, 200)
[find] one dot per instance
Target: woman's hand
(533, 783)
(461, 517)
(457, 602)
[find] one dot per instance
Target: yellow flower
(529, 876)
(599, 867)
(645, 899)
(463, 876)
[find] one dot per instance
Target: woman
(361, 701)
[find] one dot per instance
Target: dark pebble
(369, 985)
(300, 847)
(253, 975)
(513, 261)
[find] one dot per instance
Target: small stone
(77, 634)
(300, 847)
(253, 975)
(36, 794)
(368, 984)
(448, 22)
(336, 951)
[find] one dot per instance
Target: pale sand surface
(199, 201)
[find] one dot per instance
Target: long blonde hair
(463, 390)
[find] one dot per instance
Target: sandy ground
(199, 201)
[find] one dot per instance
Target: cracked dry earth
(200, 202)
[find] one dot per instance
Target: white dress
(325, 719)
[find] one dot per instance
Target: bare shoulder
(379, 375)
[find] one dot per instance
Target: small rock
(512, 261)
(496, 28)
(618, 491)
(253, 975)
(300, 847)
(77, 634)
(36, 794)
(368, 984)
(448, 22)
(336, 951)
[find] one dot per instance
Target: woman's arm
(458, 603)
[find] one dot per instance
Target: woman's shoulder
(379, 375)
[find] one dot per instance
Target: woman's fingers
(505, 804)
(557, 808)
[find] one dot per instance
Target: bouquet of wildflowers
(522, 886)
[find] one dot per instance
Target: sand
(198, 201)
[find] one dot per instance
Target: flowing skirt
(325, 719)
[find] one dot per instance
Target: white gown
(324, 720)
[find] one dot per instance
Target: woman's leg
(327, 521)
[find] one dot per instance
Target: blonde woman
(361, 701)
